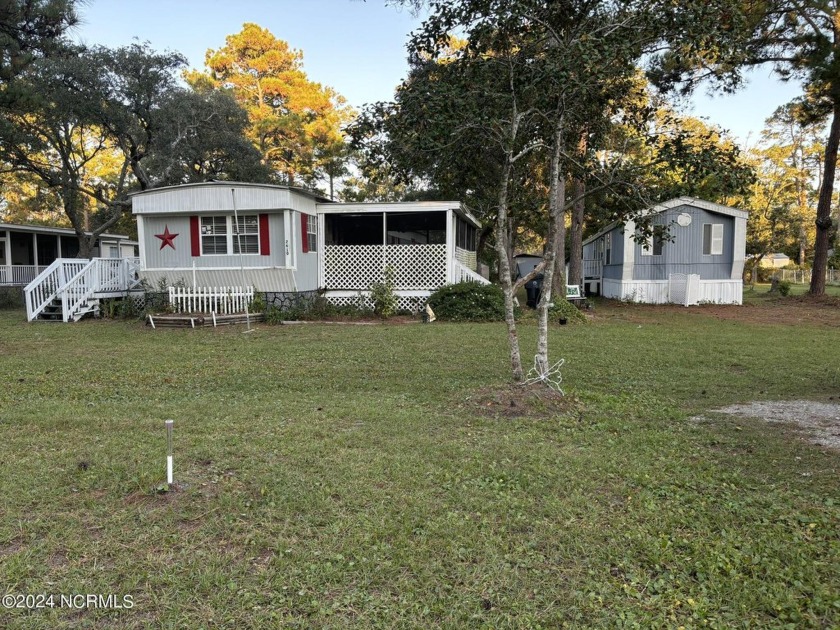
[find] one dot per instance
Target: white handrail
(102, 275)
(77, 280)
(49, 283)
(80, 288)
(465, 274)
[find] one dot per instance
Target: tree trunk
(823, 221)
(556, 223)
(576, 236)
(502, 249)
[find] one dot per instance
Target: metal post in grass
(239, 246)
(169, 460)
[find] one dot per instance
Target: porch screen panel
(416, 228)
(47, 249)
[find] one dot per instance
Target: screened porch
(424, 248)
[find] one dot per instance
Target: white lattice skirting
(357, 267)
(412, 301)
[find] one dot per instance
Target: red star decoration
(167, 238)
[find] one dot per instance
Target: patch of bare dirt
(515, 401)
(817, 422)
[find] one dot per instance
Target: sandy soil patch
(818, 422)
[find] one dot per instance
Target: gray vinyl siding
(613, 270)
(181, 257)
(307, 264)
(684, 253)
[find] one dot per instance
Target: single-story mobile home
(284, 239)
(27, 250)
(702, 261)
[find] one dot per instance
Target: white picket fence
(220, 300)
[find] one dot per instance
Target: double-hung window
(247, 235)
(712, 239)
(214, 235)
(225, 235)
(312, 233)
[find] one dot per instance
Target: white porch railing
(77, 282)
(99, 276)
(592, 268)
(460, 273)
(219, 300)
(15, 275)
(47, 285)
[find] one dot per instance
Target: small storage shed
(703, 261)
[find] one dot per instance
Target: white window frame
(715, 240)
(648, 246)
(230, 235)
(311, 233)
(608, 248)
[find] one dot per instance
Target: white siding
(656, 291)
(216, 197)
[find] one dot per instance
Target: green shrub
(11, 298)
(382, 295)
(783, 287)
(468, 302)
(564, 308)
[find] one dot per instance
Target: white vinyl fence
(220, 300)
(803, 276)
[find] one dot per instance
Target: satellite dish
(684, 220)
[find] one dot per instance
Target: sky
(357, 47)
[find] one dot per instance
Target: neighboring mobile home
(702, 262)
(283, 239)
(27, 250)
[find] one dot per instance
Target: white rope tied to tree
(542, 373)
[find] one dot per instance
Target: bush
(783, 287)
(468, 302)
(564, 308)
(383, 296)
(11, 298)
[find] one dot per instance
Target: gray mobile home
(702, 261)
(284, 239)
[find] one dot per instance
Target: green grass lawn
(344, 476)
(763, 290)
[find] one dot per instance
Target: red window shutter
(265, 246)
(195, 237)
(304, 239)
